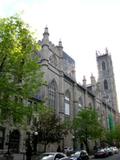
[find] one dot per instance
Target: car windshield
(45, 157)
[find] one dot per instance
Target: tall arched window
(52, 92)
(67, 103)
(105, 84)
(103, 66)
(80, 104)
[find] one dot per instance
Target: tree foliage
(20, 74)
(86, 126)
(113, 136)
(50, 127)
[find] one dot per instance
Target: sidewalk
(19, 156)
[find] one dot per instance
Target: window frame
(67, 104)
(52, 94)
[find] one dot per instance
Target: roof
(67, 57)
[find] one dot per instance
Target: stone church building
(65, 95)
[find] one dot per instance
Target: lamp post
(62, 140)
(35, 141)
(73, 138)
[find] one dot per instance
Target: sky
(83, 26)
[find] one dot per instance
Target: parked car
(109, 151)
(65, 158)
(115, 149)
(51, 156)
(68, 150)
(101, 153)
(80, 155)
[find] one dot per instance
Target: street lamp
(35, 141)
(73, 138)
(35, 133)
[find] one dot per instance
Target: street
(113, 157)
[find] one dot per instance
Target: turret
(60, 48)
(84, 81)
(60, 53)
(93, 83)
(60, 44)
(106, 51)
(45, 45)
(45, 40)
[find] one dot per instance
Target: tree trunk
(86, 144)
(45, 146)
(86, 141)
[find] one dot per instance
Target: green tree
(50, 127)
(20, 73)
(113, 136)
(87, 126)
(110, 136)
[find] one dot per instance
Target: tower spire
(106, 50)
(84, 81)
(46, 31)
(60, 44)
(45, 36)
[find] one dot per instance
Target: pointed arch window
(103, 66)
(105, 84)
(67, 103)
(52, 92)
(80, 104)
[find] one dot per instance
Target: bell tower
(106, 79)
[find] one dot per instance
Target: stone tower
(106, 79)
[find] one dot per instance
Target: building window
(80, 104)
(52, 91)
(67, 103)
(103, 66)
(90, 105)
(105, 84)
